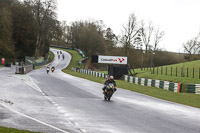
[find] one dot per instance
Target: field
(188, 72)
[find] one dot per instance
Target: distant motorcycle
(109, 91)
(48, 69)
(63, 56)
(52, 69)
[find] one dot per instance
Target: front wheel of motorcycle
(109, 98)
(105, 98)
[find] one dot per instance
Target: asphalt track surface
(61, 103)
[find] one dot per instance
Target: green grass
(51, 57)
(11, 130)
(182, 98)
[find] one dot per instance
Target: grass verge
(11, 130)
(182, 98)
(51, 57)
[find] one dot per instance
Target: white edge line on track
(34, 119)
(83, 130)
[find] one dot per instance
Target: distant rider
(53, 69)
(109, 80)
(48, 69)
(63, 56)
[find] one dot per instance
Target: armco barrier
(166, 85)
(90, 72)
(175, 87)
(194, 88)
(161, 84)
(142, 81)
(74, 69)
(197, 89)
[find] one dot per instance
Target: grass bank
(11, 130)
(51, 57)
(182, 98)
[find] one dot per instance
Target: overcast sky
(179, 19)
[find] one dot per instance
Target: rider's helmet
(111, 78)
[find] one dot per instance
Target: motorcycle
(48, 69)
(63, 56)
(109, 91)
(53, 69)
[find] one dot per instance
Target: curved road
(58, 102)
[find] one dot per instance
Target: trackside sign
(112, 59)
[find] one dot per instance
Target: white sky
(179, 19)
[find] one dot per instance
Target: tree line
(28, 28)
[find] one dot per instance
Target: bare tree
(130, 31)
(192, 46)
(146, 34)
(157, 38)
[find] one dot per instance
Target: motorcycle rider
(63, 56)
(109, 80)
(52, 69)
(48, 69)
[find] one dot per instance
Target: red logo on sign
(121, 60)
(114, 60)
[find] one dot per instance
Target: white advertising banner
(112, 59)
